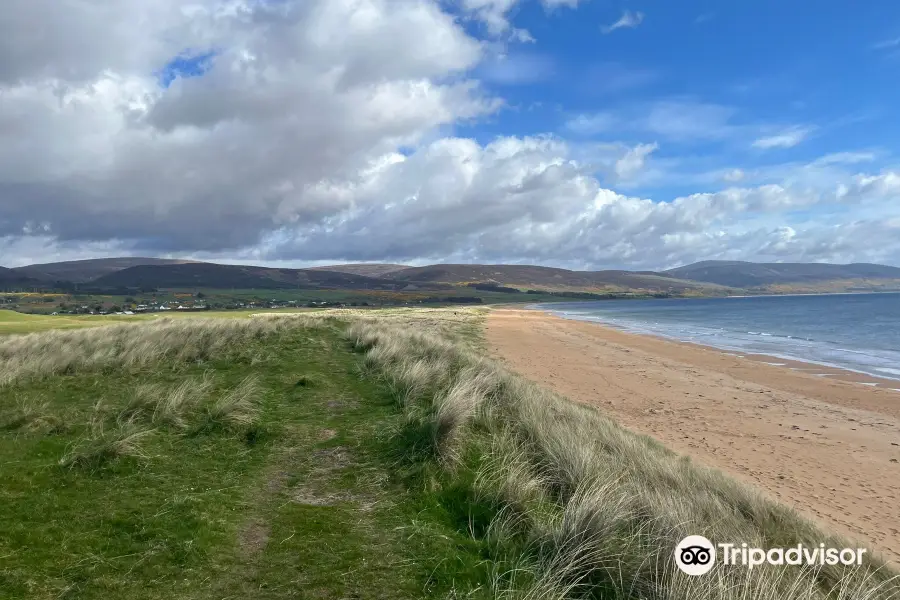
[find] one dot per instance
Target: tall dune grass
(592, 509)
(571, 504)
(128, 345)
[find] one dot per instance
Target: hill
(82, 271)
(367, 269)
(11, 278)
(209, 275)
(708, 278)
(529, 276)
(754, 275)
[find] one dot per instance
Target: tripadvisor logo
(696, 555)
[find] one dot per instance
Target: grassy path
(303, 502)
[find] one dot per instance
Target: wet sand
(822, 440)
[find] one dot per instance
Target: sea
(857, 332)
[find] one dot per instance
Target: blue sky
(828, 74)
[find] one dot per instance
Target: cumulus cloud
(318, 133)
(524, 199)
(628, 20)
(299, 93)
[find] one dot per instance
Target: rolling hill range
(215, 276)
(82, 271)
(367, 269)
(11, 278)
(704, 278)
(548, 278)
(752, 275)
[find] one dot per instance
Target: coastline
(813, 437)
(793, 362)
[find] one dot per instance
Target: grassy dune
(341, 455)
(569, 504)
(198, 458)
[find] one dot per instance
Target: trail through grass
(351, 455)
(259, 470)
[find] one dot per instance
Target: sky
(587, 134)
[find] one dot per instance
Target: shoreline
(812, 437)
(783, 360)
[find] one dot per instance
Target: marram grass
(580, 507)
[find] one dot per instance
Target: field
(346, 454)
(72, 304)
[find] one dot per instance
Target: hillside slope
(11, 278)
(530, 276)
(367, 269)
(209, 275)
(748, 275)
(82, 271)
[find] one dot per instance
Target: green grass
(350, 454)
(566, 504)
(298, 498)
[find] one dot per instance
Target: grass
(570, 505)
(265, 458)
(226, 459)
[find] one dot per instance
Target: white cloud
(733, 175)
(633, 161)
(526, 200)
(299, 94)
(628, 20)
(784, 139)
(316, 136)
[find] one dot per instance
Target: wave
(827, 353)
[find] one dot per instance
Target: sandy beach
(824, 441)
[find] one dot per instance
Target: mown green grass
(305, 502)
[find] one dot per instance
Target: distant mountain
(368, 269)
(529, 276)
(704, 278)
(215, 276)
(390, 277)
(753, 275)
(12, 279)
(81, 271)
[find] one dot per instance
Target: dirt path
(829, 448)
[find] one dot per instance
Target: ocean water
(859, 332)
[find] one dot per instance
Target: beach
(819, 439)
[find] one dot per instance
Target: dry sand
(827, 445)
